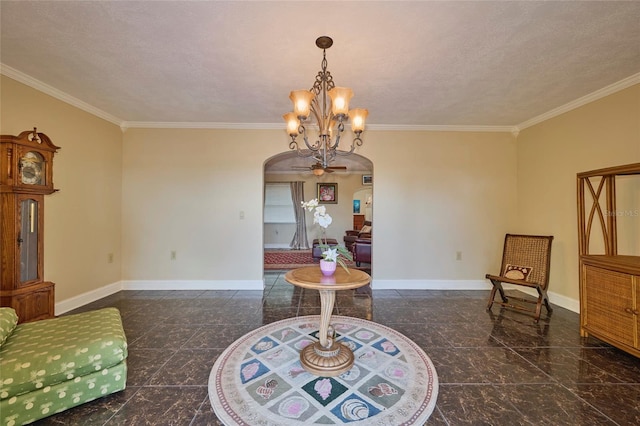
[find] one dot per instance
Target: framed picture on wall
(367, 180)
(328, 193)
(356, 206)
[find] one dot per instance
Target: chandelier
(325, 107)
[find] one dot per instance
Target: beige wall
(435, 193)
(600, 134)
(183, 191)
(82, 220)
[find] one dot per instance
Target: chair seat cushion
(507, 280)
(517, 272)
(44, 353)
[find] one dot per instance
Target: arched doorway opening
(348, 176)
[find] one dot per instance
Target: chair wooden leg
(497, 286)
(492, 296)
(502, 295)
(536, 316)
(542, 297)
(546, 301)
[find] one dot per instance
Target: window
(278, 206)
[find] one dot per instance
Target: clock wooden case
(26, 176)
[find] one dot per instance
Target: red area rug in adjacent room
(290, 259)
(286, 259)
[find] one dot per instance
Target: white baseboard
(88, 297)
(91, 296)
(430, 285)
(555, 298)
(277, 246)
(193, 285)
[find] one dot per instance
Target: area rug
(287, 259)
(259, 380)
(290, 259)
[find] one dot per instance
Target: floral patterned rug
(291, 259)
(259, 380)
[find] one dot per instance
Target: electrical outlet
(458, 255)
(173, 255)
(110, 258)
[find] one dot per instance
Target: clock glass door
(28, 240)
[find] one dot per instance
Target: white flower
(330, 255)
(310, 205)
(324, 220)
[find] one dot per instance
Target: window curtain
(300, 240)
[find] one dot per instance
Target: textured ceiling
(410, 63)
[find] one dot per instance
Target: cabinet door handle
(628, 310)
(636, 312)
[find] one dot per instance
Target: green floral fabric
(50, 365)
(8, 321)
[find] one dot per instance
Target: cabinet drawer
(608, 304)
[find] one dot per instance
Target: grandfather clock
(26, 176)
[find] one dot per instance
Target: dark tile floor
(494, 368)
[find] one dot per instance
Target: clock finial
(35, 135)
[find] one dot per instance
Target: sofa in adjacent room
(51, 365)
(352, 235)
(362, 251)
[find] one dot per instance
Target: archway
(286, 167)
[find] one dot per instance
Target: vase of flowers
(331, 257)
(327, 267)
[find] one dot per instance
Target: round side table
(327, 357)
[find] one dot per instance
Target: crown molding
(442, 128)
(124, 125)
(601, 93)
(278, 126)
(58, 94)
(199, 125)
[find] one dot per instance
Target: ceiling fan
(319, 170)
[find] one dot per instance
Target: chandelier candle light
(329, 106)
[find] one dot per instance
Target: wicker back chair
(525, 262)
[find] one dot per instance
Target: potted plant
(330, 256)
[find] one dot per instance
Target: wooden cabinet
(358, 221)
(609, 282)
(26, 176)
(610, 306)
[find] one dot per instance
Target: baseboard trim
(277, 246)
(91, 296)
(430, 285)
(555, 298)
(86, 298)
(193, 285)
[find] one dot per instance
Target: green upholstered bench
(51, 365)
